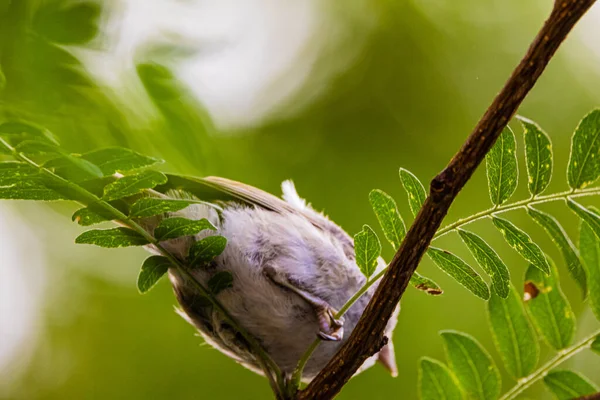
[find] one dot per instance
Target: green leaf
(472, 365)
(69, 24)
(415, 190)
(522, 243)
(12, 172)
(489, 260)
(501, 167)
(425, 284)
(86, 217)
(514, 335)
(596, 345)
(133, 184)
(565, 245)
(37, 147)
(118, 159)
(588, 216)
(112, 238)
(172, 228)
(29, 130)
(73, 168)
(150, 206)
(549, 308)
(567, 385)
(220, 281)
(589, 245)
(436, 381)
(29, 190)
(24, 182)
(2, 79)
(538, 156)
(584, 162)
(459, 270)
(367, 249)
(152, 270)
(388, 216)
(88, 169)
(205, 250)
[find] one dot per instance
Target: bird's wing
(212, 188)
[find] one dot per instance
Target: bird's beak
(387, 358)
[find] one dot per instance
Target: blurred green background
(365, 87)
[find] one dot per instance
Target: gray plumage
(276, 249)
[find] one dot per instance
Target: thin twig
(561, 357)
(367, 337)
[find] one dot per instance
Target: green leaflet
(27, 130)
(538, 156)
(522, 243)
(472, 365)
(152, 270)
(393, 227)
(367, 249)
(220, 281)
(514, 335)
(414, 189)
(589, 246)
(37, 147)
(591, 218)
(20, 181)
(150, 206)
(549, 308)
(489, 260)
(425, 284)
(72, 168)
(2, 80)
(30, 190)
(596, 345)
(565, 245)
(501, 167)
(84, 169)
(584, 161)
(12, 172)
(436, 381)
(86, 217)
(567, 385)
(70, 24)
(112, 238)
(118, 159)
(388, 216)
(205, 250)
(133, 184)
(460, 271)
(172, 228)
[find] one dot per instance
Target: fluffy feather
(311, 251)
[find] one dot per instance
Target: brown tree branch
(367, 338)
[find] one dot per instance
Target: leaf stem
(562, 356)
(516, 205)
(266, 360)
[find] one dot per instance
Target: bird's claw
(331, 329)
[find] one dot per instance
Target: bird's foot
(330, 328)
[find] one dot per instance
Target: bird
(292, 268)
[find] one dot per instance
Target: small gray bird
(292, 270)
